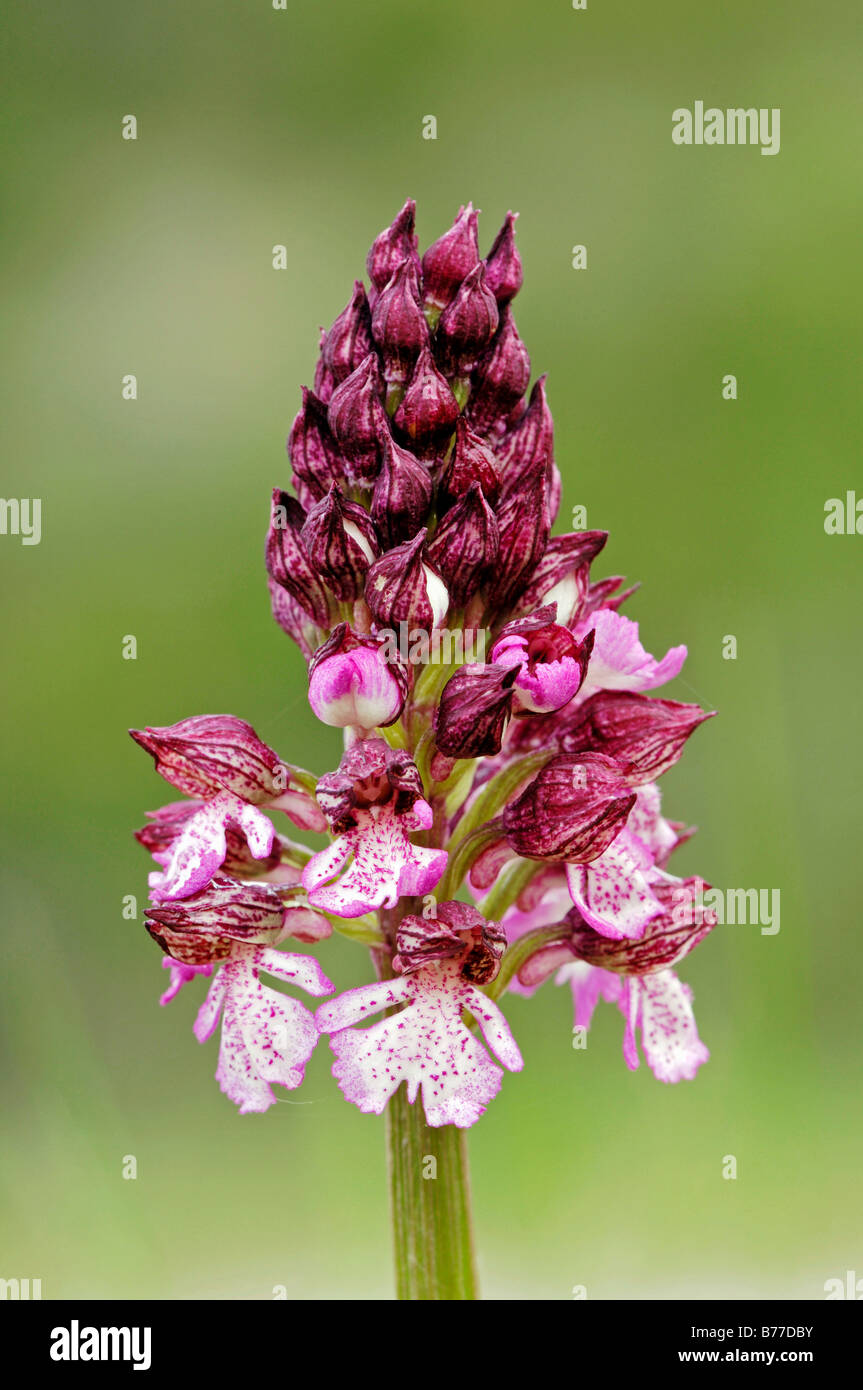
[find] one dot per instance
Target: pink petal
(669, 1037)
(386, 865)
(200, 849)
(303, 971)
(424, 869)
(208, 1014)
(493, 1027)
(619, 661)
(266, 1037)
(613, 892)
(549, 686)
(357, 1005)
(326, 863)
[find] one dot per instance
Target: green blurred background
(303, 127)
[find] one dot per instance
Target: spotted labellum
(493, 816)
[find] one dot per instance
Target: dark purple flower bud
(324, 381)
(371, 774)
(291, 618)
(349, 341)
(562, 575)
(312, 449)
(399, 324)
(644, 736)
(468, 323)
(212, 753)
(352, 684)
(449, 259)
(524, 524)
(167, 824)
(209, 924)
(572, 810)
(501, 377)
(341, 542)
(429, 410)
(457, 930)
(395, 244)
(402, 495)
(402, 587)
(667, 938)
(530, 440)
(287, 561)
(471, 461)
(503, 273)
(474, 709)
(358, 421)
(465, 545)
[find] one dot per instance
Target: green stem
(429, 1188)
(430, 1200)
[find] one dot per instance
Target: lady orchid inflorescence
(494, 818)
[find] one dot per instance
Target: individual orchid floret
(267, 1037)
(619, 661)
(475, 705)
(399, 324)
(349, 341)
(471, 461)
(503, 268)
(288, 563)
(180, 975)
(523, 524)
(571, 811)
(427, 1044)
(450, 259)
(638, 977)
(341, 542)
(402, 495)
(353, 685)
(468, 323)
(372, 803)
(220, 760)
(312, 450)
(357, 419)
(501, 377)
(465, 546)
(428, 411)
(403, 587)
(644, 736)
(551, 663)
(395, 244)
